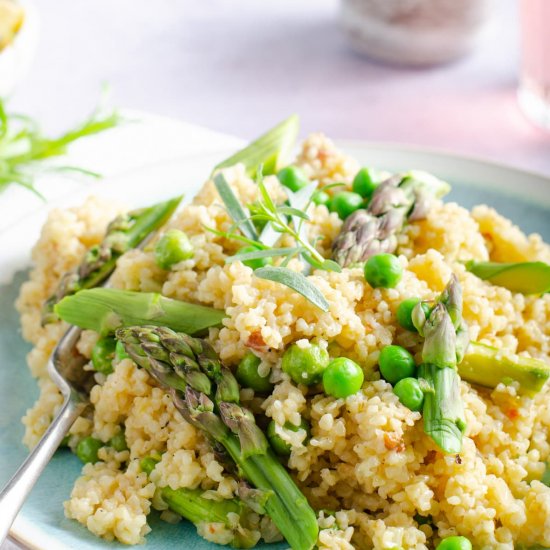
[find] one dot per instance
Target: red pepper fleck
(512, 414)
(256, 341)
(430, 457)
(393, 442)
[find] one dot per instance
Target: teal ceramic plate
(523, 197)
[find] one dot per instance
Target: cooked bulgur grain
(368, 459)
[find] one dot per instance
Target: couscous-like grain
(367, 458)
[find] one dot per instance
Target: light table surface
(238, 66)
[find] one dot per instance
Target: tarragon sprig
(286, 219)
(23, 147)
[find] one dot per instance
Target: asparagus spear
(524, 277)
(210, 401)
(489, 366)
(269, 150)
(374, 230)
(201, 511)
(106, 309)
(445, 344)
(123, 233)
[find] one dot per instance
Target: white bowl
(16, 58)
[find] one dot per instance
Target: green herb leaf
(523, 277)
(296, 281)
(23, 147)
(268, 201)
(266, 253)
(289, 211)
(234, 207)
(233, 236)
(331, 265)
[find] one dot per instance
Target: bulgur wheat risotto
(367, 466)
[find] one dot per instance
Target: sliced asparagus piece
(374, 230)
(443, 411)
(446, 339)
(523, 277)
(489, 366)
(269, 150)
(192, 505)
(168, 355)
(123, 233)
(106, 309)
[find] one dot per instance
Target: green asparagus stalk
(166, 354)
(201, 511)
(106, 309)
(123, 233)
(443, 410)
(374, 230)
(446, 340)
(269, 150)
(489, 366)
(523, 277)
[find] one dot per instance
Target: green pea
(293, 177)
(280, 446)
(364, 183)
(148, 464)
(396, 363)
(383, 270)
(87, 449)
(248, 376)
(342, 377)
(173, 247)
(258, 262)
(345, 203)
(103, 354)
(320, 197)
(404, 312)
(409, 392)
(305, 365)
(118, 442)
(120, 351)
(454, 543)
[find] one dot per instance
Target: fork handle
(15, 492)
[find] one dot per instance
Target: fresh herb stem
(23, 147)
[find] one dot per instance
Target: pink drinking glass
(534, 88)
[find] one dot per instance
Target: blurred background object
(238, 66)
(534, 89)
(11, 20)
(415, 32)
(18, 38)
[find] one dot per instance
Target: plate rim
(24, 531)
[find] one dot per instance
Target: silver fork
(65, 369)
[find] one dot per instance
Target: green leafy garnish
(23, 147)
(289, 219)
(296, 281)
(523, 277)
(234, 208)
(265, 253)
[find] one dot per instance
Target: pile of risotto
(368, 460)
